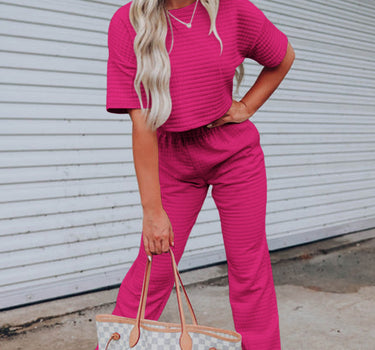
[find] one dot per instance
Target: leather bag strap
(175, 268)
(185, 339)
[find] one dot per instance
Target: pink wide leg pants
(231, 160)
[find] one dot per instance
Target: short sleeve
(121, 67)
(270, 45)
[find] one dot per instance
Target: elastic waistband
(188, 134)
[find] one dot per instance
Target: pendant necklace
(188, 25)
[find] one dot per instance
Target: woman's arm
(157, 229)
(267, 82)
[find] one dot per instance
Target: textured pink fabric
(201, 79)
(230, 159)
(192, 157)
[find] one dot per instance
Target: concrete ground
(325, 291)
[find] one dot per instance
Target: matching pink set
(192, 157)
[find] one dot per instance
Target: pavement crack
(10, 331)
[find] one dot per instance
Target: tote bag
(122, 333)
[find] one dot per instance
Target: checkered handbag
(122, 333)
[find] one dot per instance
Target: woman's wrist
(152, 208)
(249, 110)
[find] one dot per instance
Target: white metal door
(70, 217)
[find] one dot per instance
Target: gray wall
(70, 218)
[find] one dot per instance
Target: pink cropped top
(201, 84)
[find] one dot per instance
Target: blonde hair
(153, 65)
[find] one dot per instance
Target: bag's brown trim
(151, 325)
(161, 327)
(185, 340)
(115, 336)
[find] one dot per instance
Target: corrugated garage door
(318, 130)
(70, 218)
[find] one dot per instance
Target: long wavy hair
(153, 65)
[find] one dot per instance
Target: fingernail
(209, 125)
(149, 258)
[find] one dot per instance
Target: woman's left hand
(237, 113)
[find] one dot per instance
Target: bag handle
(185, 339)
(175, 268)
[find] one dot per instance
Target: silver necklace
(170, 25)
(188, 25)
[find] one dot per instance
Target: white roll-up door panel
(70, 215)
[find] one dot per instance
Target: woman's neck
(175, 4)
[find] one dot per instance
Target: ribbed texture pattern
(201, 79)
(230, 159)
(70, 213)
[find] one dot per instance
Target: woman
(171, 66)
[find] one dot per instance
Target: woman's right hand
(157, 231)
